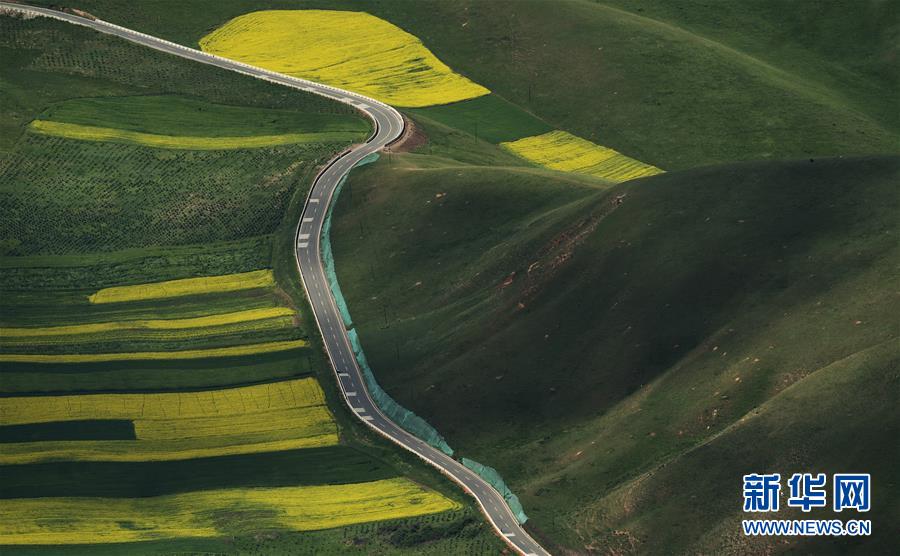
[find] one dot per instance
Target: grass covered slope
(670, 95)
(63, 194)
(625, 74)
(581, 343)
(184, 116)
(174, 122)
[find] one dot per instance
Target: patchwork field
(600, 346)
(158, 379)
(95, 163)
(351, 50)
(624, 74)
(388, 64)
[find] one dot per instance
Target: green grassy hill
(596, 345)
(676, 85)
(623, 354)
(120, 409)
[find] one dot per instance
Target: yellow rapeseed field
(96, 133)
(560, 150)
(212, 513)
(179, 425)
(194, 327)
(185, 286)
(248, 349)
(301, 392)
(149, 450)
(350, 50)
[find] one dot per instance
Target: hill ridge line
(788, 80)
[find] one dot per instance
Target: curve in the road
(388, 127)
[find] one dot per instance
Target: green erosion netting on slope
(490, 475)
(400, 415)
(328, 257)
(397, 413)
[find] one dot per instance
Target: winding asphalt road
(388, 127)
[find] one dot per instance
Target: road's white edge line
(305, 85)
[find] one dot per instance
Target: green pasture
(577, 337)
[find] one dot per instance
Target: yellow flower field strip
(212, 513)
(351, 50)
(187, 327)
(560, 150)
(284, 415)
(108, 134)
(185, 286)
(240, 401)
(253, 425)
(233, 351)
(134, 451)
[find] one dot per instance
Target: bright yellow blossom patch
(303, 392)
(179, 425)
(108, 134)
(212, 513)
(560, 150)
(186, 286)
(350, 50)
(248, 349)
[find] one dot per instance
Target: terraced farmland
(159, 380)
